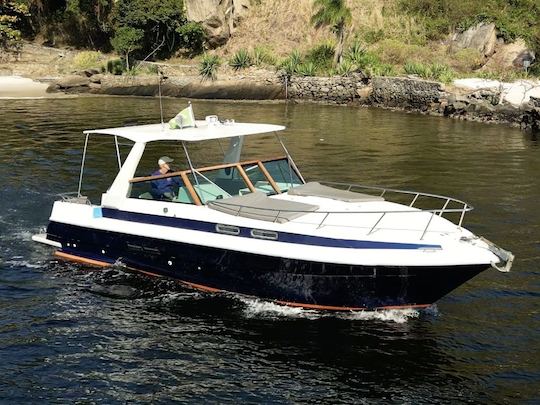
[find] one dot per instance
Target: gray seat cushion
(259, 206)
(315, 189)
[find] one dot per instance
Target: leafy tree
(11, 14)
(158, 19)
(191, 37)
(337, 15)
(86, 21)
(127, 40)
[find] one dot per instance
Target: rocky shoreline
(401, 93)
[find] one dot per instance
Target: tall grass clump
(208, 66)
(87, 59)
(240, 60)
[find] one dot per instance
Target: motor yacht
(256, 227)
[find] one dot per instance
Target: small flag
(183, 119)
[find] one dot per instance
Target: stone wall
(336, 89)
(407, 93)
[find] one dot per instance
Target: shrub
(87, 59)
(209, 66)
(240, 60)
(307, 69)
(191, 37)
(116, 66)
(321, 55)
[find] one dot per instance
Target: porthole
(264, 234)
(228, 229)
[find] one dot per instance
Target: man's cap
(164, 159)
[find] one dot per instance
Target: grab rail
(445, 202)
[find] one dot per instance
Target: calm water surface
(71, 333)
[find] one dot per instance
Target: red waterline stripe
(80, 259)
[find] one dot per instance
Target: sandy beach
(22, 87)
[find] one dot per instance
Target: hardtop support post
(290, 159)
(82, 165)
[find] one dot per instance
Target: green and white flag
(183, 119)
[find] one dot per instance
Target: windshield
(218, 182)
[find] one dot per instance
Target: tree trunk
(338, 54)
(127, 61)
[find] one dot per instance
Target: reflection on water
(72, 333)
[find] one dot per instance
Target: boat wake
(256, 308)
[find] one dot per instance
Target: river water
(72, 333)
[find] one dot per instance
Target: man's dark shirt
(167, 187)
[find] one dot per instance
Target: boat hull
(290, 281)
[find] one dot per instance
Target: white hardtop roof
(203, 131)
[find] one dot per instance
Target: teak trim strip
(202, 169)
(191, 190)
(245, 177)
(270, 179)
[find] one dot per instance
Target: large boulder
(481, 37)
(508, 56)
(69, 81)
(218, 17)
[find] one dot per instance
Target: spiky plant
(307, 69)
(209, 66)
(240, 60)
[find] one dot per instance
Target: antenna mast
(159, 93)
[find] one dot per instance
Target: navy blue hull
(266, 276)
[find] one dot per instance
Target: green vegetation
(240, 60)
(262, 56)
(116, 66)
(307, 69)
(435, 71)
(321, 56)
(12, 14)
(337, 15)
(208, 66)
(191, 37)
(345, 68)
(135, 28)
(127, 40)
(515, 18)
(87, 59)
